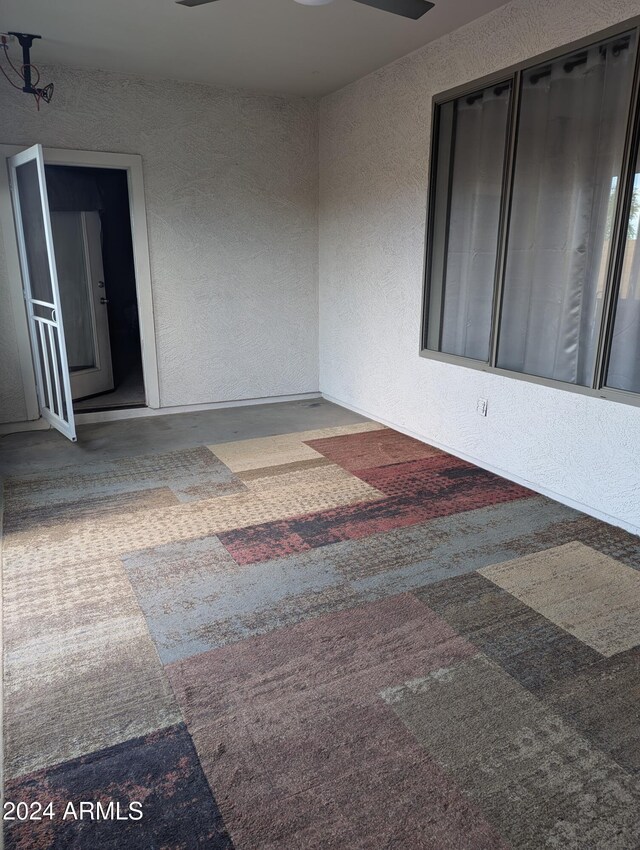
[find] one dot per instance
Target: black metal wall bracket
(25, 41)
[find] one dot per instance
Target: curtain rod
(575, 61)
(581, 58)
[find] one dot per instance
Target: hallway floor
(285, 626)
(128, 393)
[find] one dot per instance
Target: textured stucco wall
(231, 189)
(374, 141)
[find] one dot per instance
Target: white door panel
(78, 243)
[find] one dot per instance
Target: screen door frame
(46, 327)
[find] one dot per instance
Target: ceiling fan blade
(193, 2)
(407, 8)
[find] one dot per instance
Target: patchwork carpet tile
(80, 669)
(284, 449)
(90, 507)
(195, 597)
(338, 638)
(90, 489)
(533, 650)
(183, 589)
(396, 796)
(267, 499)
(599, 697)
(415, 492)
(358, 451)
(540, 782)
(601, 701)
(585, 592)
(289, 726)
(160, 772)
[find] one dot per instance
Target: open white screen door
(42, 296)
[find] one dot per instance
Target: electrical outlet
(481, 407)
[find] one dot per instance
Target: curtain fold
(570, 144)
(474, 211)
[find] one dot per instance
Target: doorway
(25, 220)
(90, 222)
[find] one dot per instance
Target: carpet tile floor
(335, 638)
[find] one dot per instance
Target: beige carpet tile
(281, 449)
(78, 660)
(42, 602)
(108, 691)
(266, 500)
(590, 595)
(282, 469)
(270, 451)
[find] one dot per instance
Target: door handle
(101, 284)
(104, 300)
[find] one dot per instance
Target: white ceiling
(265, 45)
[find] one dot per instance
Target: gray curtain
(476, 184)
(570, 144)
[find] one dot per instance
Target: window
(472, 138)
(624, 364)
(532, 266)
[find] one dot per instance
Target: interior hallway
(129, 393)
(285, 626)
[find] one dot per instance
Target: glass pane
(570, 143)
(73, 283)
(33, 227)
(624, 361)
(469, 174)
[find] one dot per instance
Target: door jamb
(132, 164)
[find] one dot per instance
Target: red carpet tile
(417, 491)
(371, 448)
(424, 478)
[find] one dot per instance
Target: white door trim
(132, 164)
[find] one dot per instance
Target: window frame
(606, 318)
